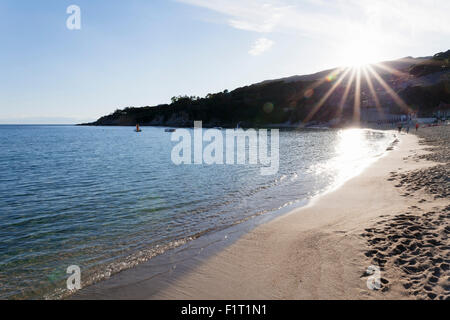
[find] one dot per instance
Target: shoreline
(315, 252)
(320, 251)
(319, 254)
(165, 266)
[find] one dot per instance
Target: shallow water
(107, 198)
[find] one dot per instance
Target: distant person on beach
(407, 129)
(417, 127)
(400, 127)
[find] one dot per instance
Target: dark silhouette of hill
(422, 83)
(439, 63)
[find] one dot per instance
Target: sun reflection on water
(355, 150)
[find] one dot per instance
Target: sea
(107, 199)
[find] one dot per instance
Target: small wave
(101, 273)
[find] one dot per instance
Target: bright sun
(359, 52)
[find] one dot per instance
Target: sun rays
(399, 101)
(357, 102)
(357, 77)
(345, 95)
(329, 78)
(373, 93)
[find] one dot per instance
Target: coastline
(319, 251)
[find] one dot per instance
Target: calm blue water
(107, 198)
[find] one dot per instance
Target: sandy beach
(394, 216)
(322, 251)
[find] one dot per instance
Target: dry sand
(322, 251)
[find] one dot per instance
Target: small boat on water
(138, 129)
(170, 130)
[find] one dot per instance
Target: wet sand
(394, 216)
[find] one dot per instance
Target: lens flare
(331, 77)
(309, 93)
(268, 107)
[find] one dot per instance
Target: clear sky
(141, 52)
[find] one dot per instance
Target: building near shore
(384, 115)
(442, 111)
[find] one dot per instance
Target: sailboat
(138, 129)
